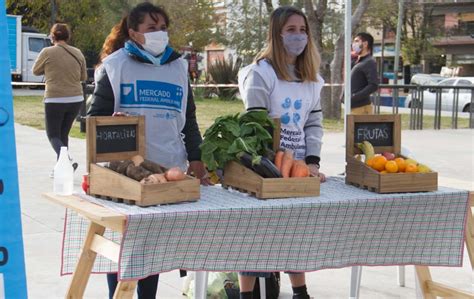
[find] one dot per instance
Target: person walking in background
(284, 81)
(364, 79)
(64, 67)
(140, 74)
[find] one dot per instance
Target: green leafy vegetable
(234, 134)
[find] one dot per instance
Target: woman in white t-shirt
(284, 80)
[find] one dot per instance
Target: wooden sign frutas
(120, 138)
(384, 133)
(243, 179)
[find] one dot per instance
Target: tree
(191, 23)
(418, 35)
(91, 20)
(246, 28)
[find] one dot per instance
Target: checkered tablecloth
(230, 231)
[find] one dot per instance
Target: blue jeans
(146, 289)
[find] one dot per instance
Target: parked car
(426, 79)
(447, 95)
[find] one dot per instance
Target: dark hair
(367, 37)
(119, 33)
(60, 31)
(138, 13)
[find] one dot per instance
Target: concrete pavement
(450, 152)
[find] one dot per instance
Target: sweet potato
(152, 166)
(136, 172)
(175, 174)
(137, 160)
(122, 167)
(287, 163)
(156, 178)
(113, 165)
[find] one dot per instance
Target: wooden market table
(102, 218)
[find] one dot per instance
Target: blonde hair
(307, 63)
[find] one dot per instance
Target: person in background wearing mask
(364, 79)
(140, 74)
(284, 81)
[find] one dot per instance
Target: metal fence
(440, 95)
(394, 93)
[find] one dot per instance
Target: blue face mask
(295, 43)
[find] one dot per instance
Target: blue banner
(152, 94)
(12, 263)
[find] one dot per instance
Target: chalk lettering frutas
(371, 134)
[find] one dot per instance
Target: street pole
(54, 10)
(347, 60)
(397, 41)
(397, 52)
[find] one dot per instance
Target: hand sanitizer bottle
(63, 174)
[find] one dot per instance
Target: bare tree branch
(268, 5)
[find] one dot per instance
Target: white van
(23, 48)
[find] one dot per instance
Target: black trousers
(59, 118)
(146, 288)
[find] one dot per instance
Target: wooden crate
(240, 177)
(363, 176)
(106, 183)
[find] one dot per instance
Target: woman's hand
(314, 171)
(197, 169)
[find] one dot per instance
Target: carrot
(287, 163)
(299, 169)
(279, 159)
(175, 174)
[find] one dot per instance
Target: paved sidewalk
(450, 152)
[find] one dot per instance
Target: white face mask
(356, 47)
(295, 43)
(155, 42)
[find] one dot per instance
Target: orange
(379, 163)
(401, 164)
(391, 167)
(411, 167)
(383, 171)
(370, 162)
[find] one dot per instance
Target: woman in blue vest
(140, 74)
(284, 81)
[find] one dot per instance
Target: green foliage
(232, 134)
(225, 72)
(246, 29)
(191, 23)
(91, 20)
